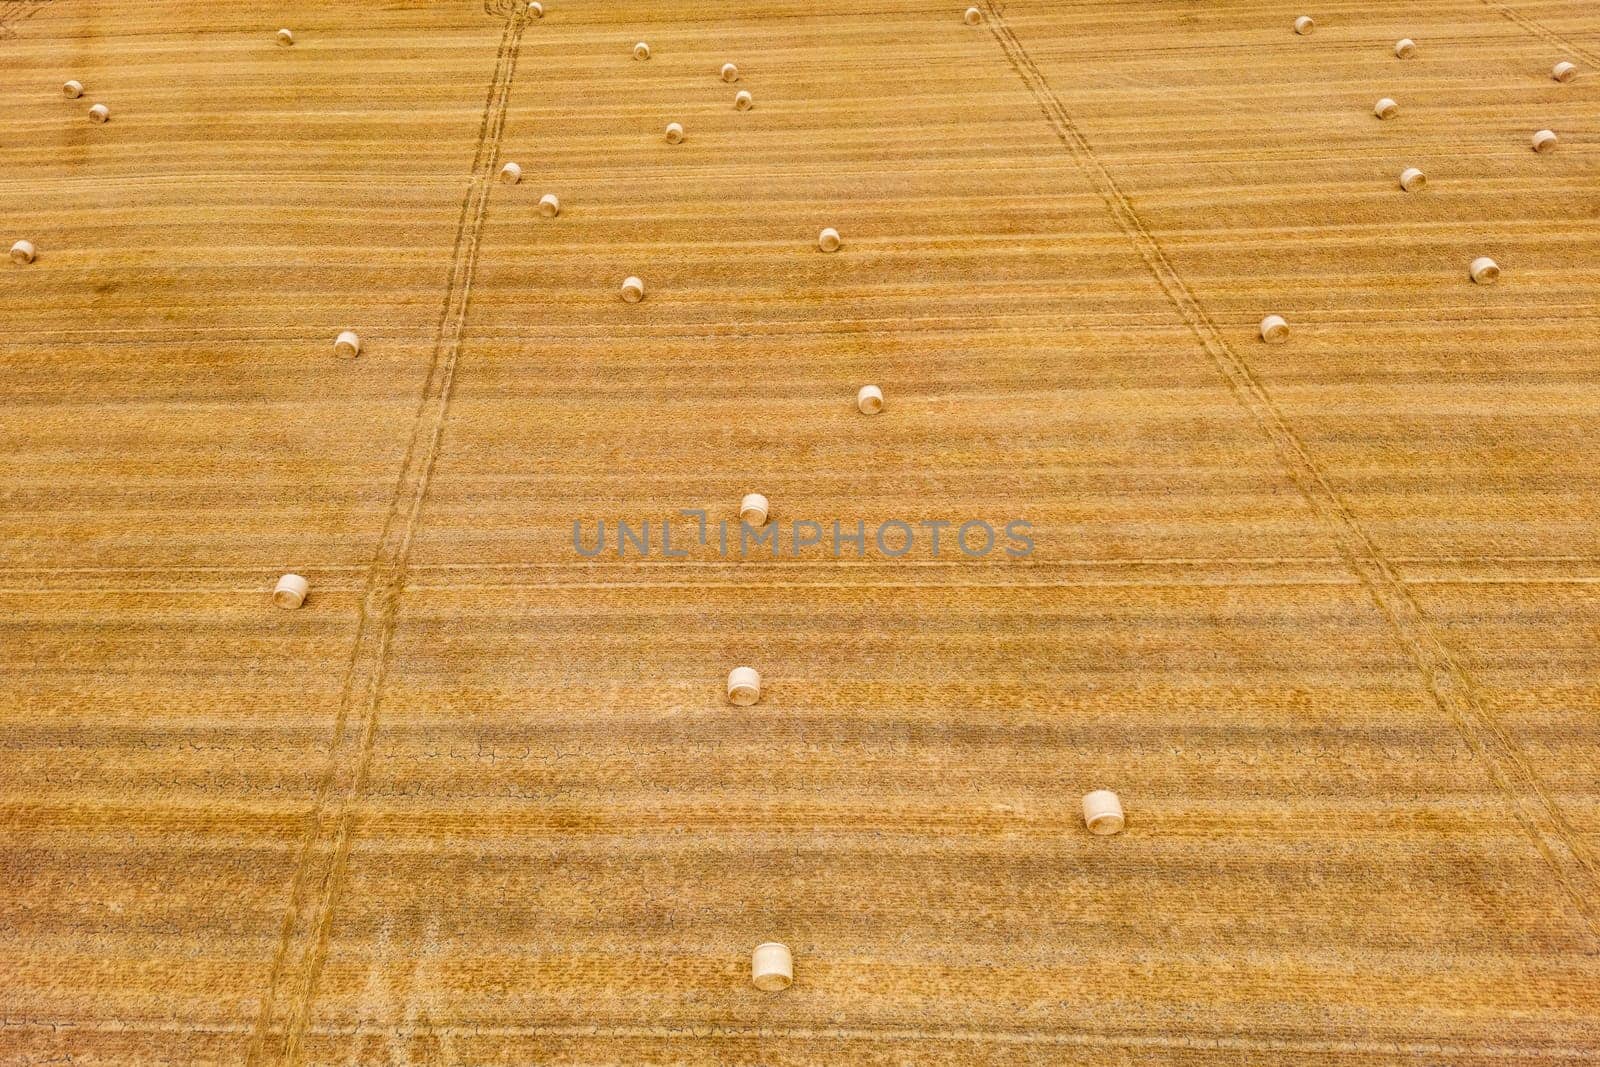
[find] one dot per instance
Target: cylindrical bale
(1102, 812)
(744, 686)
(290, 592)
(772, 967)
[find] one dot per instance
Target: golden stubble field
(1323, 613)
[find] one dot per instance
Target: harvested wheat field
(1322, 608)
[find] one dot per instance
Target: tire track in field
(1541, 31)
(1558, 842)
(285, 1010)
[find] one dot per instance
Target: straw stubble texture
(1318, 612)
